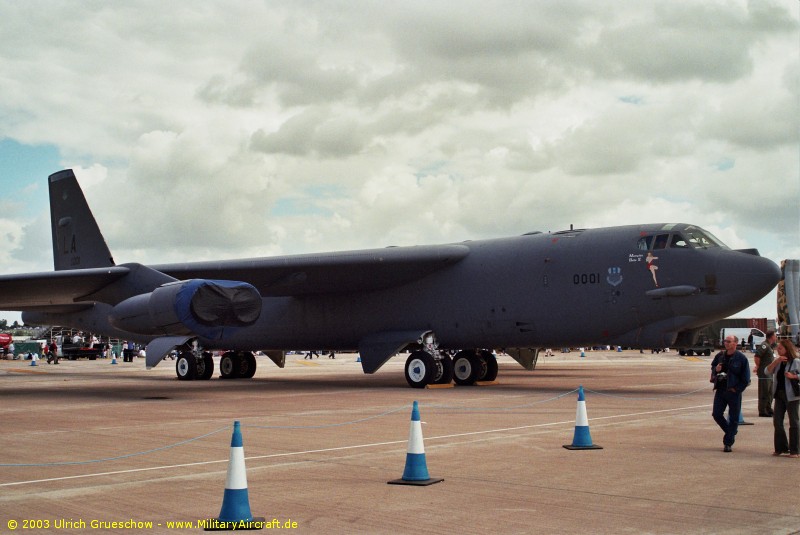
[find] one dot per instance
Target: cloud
(228, 129)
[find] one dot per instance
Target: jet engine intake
(205, 308)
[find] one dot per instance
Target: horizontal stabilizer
(67, 287)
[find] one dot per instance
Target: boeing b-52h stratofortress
(650, 286)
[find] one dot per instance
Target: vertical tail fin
(77, 241)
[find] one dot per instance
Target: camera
(721, 382)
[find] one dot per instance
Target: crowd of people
(777, 369)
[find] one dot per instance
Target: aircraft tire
(186, 366)
(205, 367)
(247, 367)
(420, 369)
(466, 367)
(491, 366)
(230, 365)
(444, 371)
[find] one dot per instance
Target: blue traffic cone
(741, 419)
(113, 358)
(582, 440)
(235, 512)
(34, 358)
(416, 471)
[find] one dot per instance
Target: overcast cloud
(224, 129)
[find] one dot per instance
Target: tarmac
(88, 446)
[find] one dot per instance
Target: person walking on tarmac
(764, 357)
(730, 373)
(54, 351)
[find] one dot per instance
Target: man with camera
(730, 373)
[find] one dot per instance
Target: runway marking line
(352, 447)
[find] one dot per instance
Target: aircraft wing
(337, 272)
(278, 276)
(29, 291)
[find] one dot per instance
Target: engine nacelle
(205, 308)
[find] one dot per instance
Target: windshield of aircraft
(692, 237)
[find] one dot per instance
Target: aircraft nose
(745, 277)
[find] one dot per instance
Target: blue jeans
(733, 402)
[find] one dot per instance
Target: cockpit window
(701, 239)
(690, 238)
(661, 241)
(678, 242)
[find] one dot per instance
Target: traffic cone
(235, 512)
(582, 440)
(113, 358)
(741, 419)
(34, 358)
(416, 471)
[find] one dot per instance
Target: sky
(236, 128)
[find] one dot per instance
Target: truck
(73, 351)
(709, 338)
(5, 341)
(743, 334)
(73, 347)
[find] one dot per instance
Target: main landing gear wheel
(444, 371)
(247, 368)
(186, 366)
(466, 368)
(234, 365)
(229, 365)
(470, 367)
(420, 369)
(205, 366)
(491, 366)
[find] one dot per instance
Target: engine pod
(205, 308)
